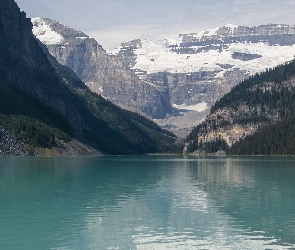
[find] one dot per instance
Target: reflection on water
(255, 191)
(147, 202)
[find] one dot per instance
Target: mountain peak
(222, 30)
(44, 32)
(231, 45)
(51, 32)
(104, 74)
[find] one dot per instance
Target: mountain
(46, 107)
(201, 67)
(257, 117)
(102, 73)
(174, 80)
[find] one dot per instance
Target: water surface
(147, 202)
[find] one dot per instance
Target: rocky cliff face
(202, 67)
(104, 74)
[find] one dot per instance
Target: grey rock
(117, 77)
(204, 84)
(245, 56)
(105, 74)
(9, 146)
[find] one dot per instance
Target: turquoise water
(147, 202)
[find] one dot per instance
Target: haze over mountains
(175, 80)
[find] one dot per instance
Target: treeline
(192, 140)
(111, 128)
(29, 120)
(17, 103)
(207, 147)
(243, 91)
(41, 100)
(265, 100)
(108, 110)
(275, 139)
(173, 148)
(31, 131)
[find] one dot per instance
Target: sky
(111, 22)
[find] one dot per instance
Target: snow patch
(114, 51)
(209, 32)
(174, 41)
(44, 33)
(154, 57)
(213, 32)
(200, 107)
(231, 26)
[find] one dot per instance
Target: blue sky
(111, 22)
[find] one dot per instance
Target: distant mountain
(174, 80)
(47, 108)
(201, 67)
(257, 117)
(102, 73)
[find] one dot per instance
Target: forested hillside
(115, 128)
(45, 105)
(255, 117)
(275, 139)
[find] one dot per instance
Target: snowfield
(157, 57)
(169, 55)
(200, 107)
(44, 33)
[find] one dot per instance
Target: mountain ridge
(102, 73)
(202, 67)
(189, 72)
(49, 109)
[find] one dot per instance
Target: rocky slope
(9, 146)
(104, 74)
(202, 67)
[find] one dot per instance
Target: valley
(174, 81)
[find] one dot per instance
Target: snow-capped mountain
(201, 67)
(104, 74)
(189, 72)
(222, 49)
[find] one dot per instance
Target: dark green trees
(265, 101)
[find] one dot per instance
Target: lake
(147, 202)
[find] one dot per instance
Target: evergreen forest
(266, 101)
